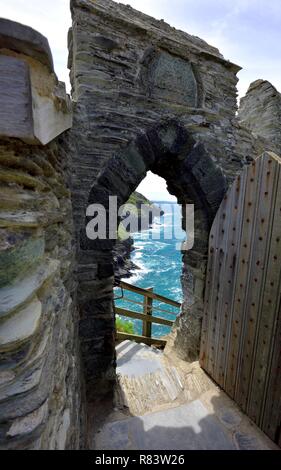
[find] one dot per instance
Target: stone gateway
(146, 97)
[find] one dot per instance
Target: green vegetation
(135, 200)
(124, 326)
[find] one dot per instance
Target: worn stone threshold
(163, 403)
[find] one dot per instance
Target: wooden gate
(241, 332)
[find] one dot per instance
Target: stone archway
(170, 151)
(146, 97)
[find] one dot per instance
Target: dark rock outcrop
(142, 213)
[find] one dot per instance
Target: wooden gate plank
(252, 179)
(256, 279)
(268, 309)
(212, 300)
(204, 347)
(222, 248)
(235, 221)
(271, 422)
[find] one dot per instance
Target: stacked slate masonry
(40, 373)
(260, 112)
(146, 97)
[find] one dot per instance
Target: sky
(247, 32)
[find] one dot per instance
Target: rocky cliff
(142, 213)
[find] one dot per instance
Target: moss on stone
(17, 260)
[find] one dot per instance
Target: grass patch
(124, 326)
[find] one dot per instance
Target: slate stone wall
(140, 86)
(40, 378)
(260, 112)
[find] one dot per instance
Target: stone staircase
(162, 403)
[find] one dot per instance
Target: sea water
(157, 254)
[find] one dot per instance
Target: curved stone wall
(40, 382)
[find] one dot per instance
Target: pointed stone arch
(170, 151)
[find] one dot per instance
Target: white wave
(138, 274)
(137, 256)
(159, 244)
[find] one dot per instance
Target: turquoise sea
(159, 258)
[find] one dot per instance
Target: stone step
(145, 379)
(187, 427)
(191, 426)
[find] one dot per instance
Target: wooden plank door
(240, 345)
